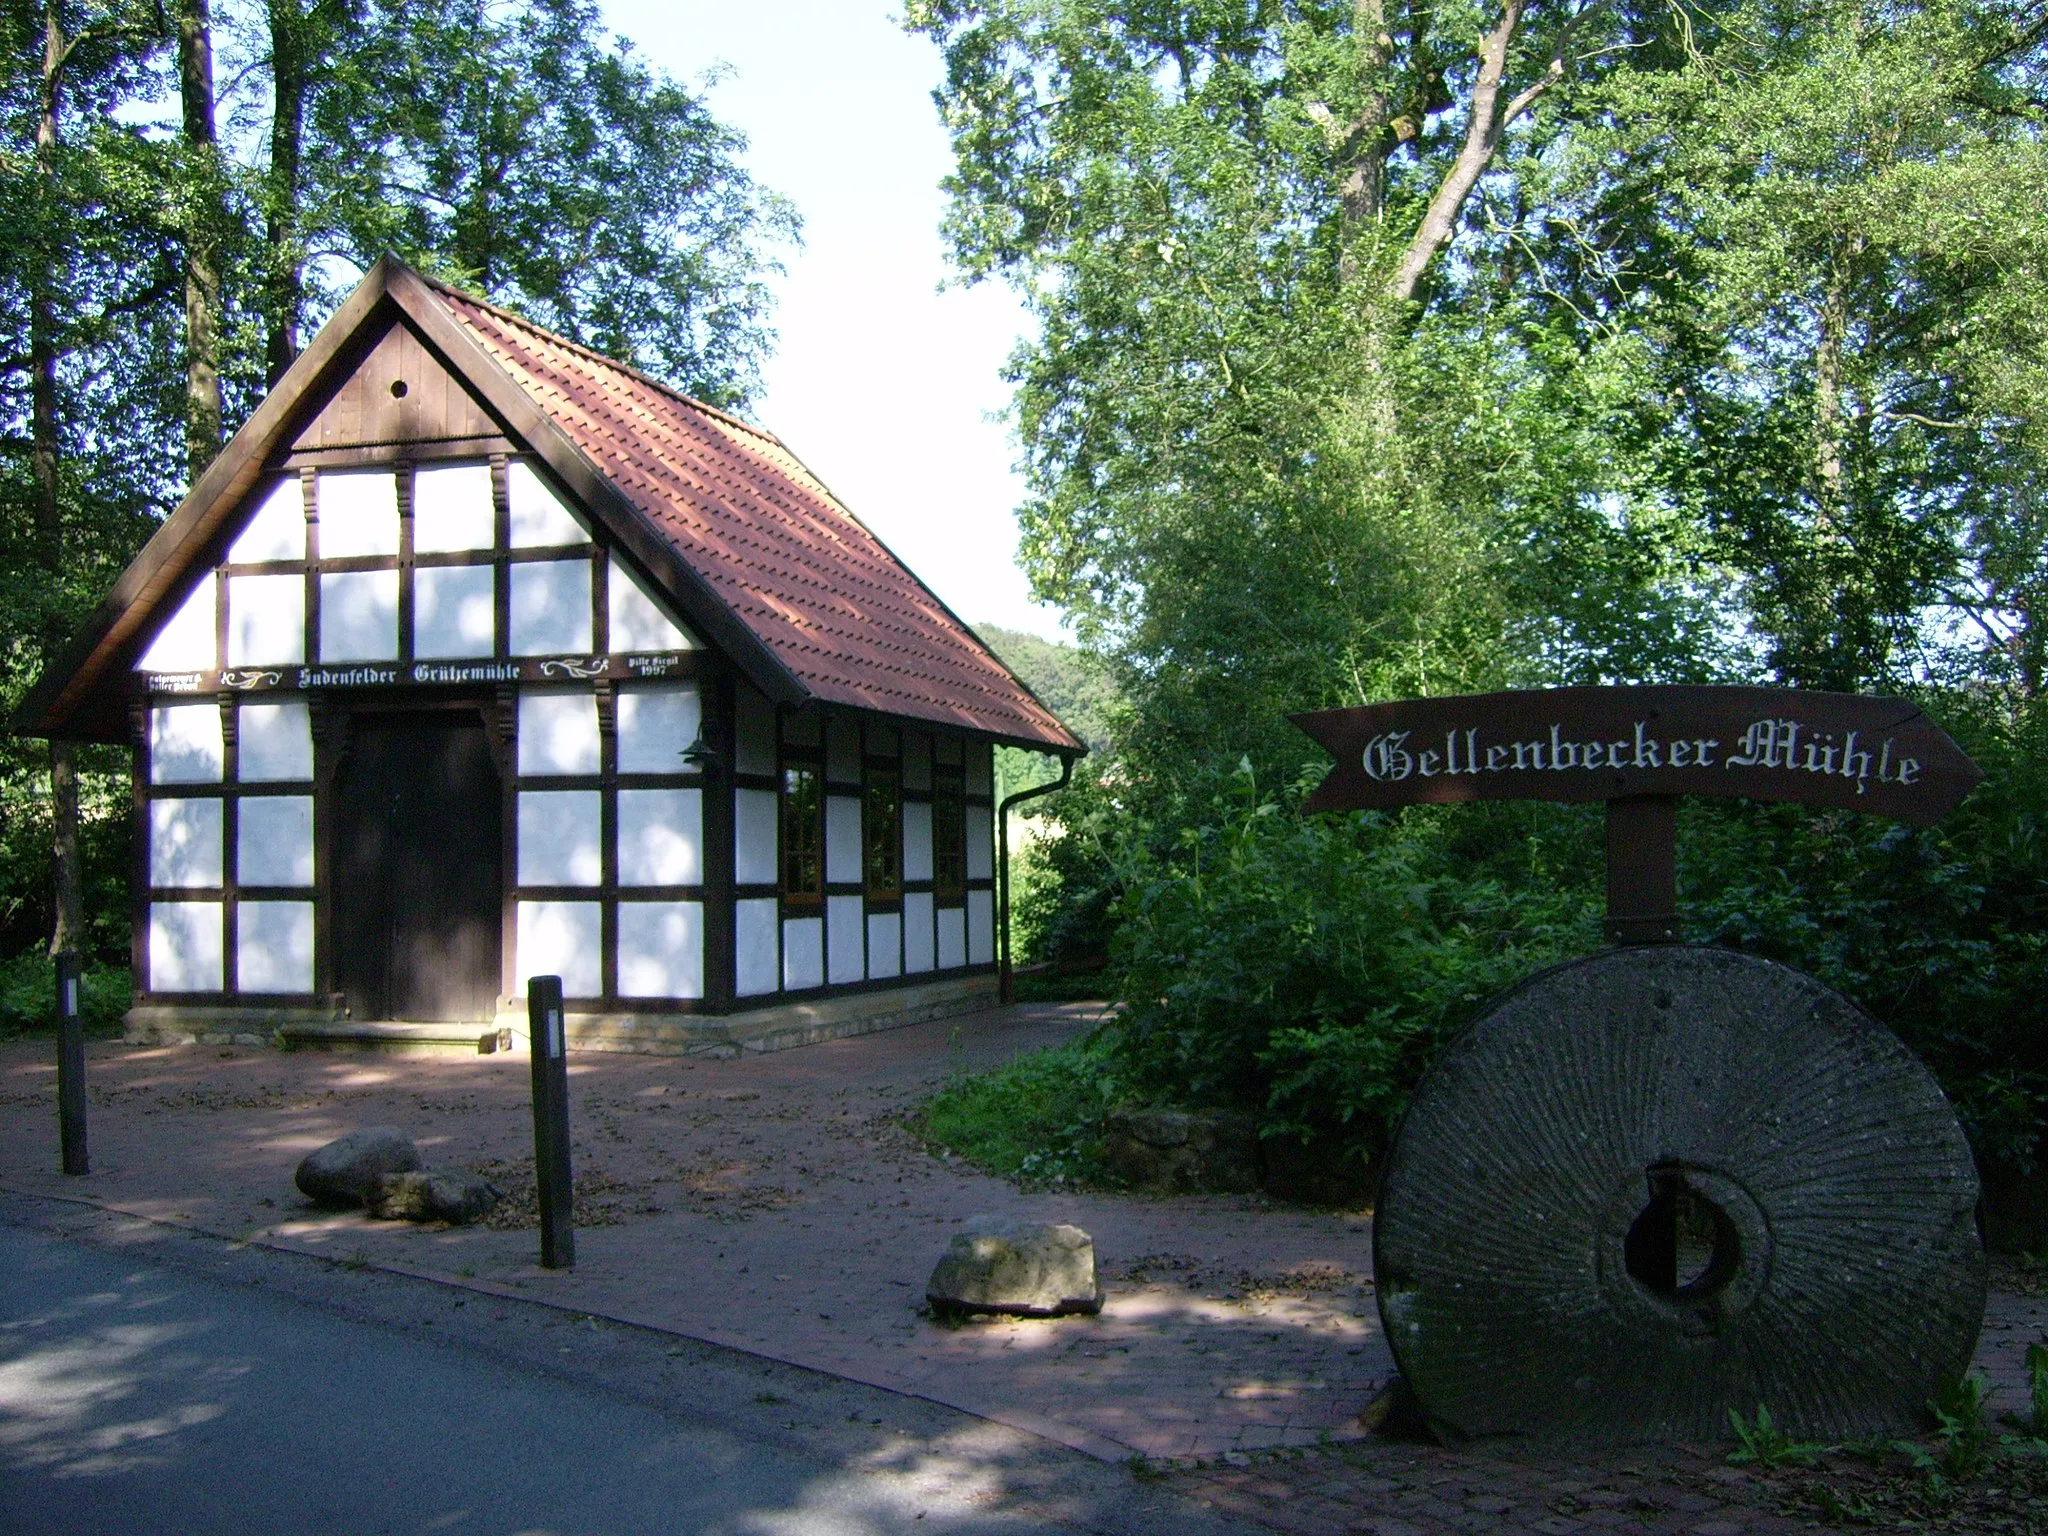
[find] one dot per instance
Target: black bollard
(550, 1052)
(70, 1067)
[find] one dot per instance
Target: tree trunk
(1363, 155)
(284, 288)
(66, 877)
(202, 237)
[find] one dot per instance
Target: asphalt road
(152, 1381)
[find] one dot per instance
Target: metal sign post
(70, 1067)
(550, 1057)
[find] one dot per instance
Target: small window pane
(185, 843)
(452, 509)
(454, 610)
(274, 840)
(358, 515)
(274, 946)
(186, 641)
(803, 833)
(185, 948)
(185, 744)
(560, 837)
(359, 616)
(558, 733)
(565, 939)
(949, 837)
(266, 621)
(538, 517)
(277, 531)
(274, 742)
(551, 608)
(883, 829)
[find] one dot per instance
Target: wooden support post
(70, 1067)
(1642, 869)
(548, 1032)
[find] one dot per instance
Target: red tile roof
(842, 614)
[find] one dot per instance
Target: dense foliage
(1392, 349)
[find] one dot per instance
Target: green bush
(1036, 1118)
(28, 995)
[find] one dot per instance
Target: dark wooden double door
(418, 867)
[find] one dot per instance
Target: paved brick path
(775, 1204)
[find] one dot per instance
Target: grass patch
(1036, 1119)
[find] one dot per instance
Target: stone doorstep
(652, 1034)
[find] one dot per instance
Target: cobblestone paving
(776, 1204)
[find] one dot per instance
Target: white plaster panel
(565, 939)
(981, 927)
(185, 843)
(185, 946)
(981, 856)
(803, 953)
(980, 773)
(803, 729)
(952, 938)
(661, 949)
(946, 749)
(842, 751)
(558, 733)
(538, 517)
(843, 924)
(754, 836)
(754, 730)
(883, 740)
(358, 514)
(266, 620)
(917, 931)
(185, 745)
(560, 837)
(756, 967)
(454, 610)
(885, 945)
(452, 508)
(274, 946)
(186, 642)
(842, 837)
(917, 760)
(277, 531)
(637, 620)
(359, 616)
(661, 836)
(655, 726)
(917, 840)
(274, 840)
(550, 607)
(274, 743)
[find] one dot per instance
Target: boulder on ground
(431, 1194)
(343, 1171)
(1176, 1151)
(1022, 1269)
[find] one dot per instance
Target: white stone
(885, 945)
(185, 946)
(755, 947)
(844, 960)
(452, 509)
(185, 642)
(550, 607)
(358, 514)
(454, 611)
(661, 835)
(1025, 1269)
(185, 744)
(565, 939)
(638, 622)
(539, 519)
(754, 836)
(558, 733)
(359, 616)
(274, 743)
(803, 953)
(656, 724)
(561, 837)
(917, 931)
(185, 843)
(277, 531)
(661, 949)
(266, 621)
(274, 946)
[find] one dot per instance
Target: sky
(883, 384)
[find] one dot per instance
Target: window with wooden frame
(803, 833)
(882, 831)
(949, 833)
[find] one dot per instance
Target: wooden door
(417, 868)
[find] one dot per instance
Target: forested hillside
(1074, 684)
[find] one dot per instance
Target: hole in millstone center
(1682, 1245)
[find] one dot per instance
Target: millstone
(1657, 1184)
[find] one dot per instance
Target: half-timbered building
(478, 656)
